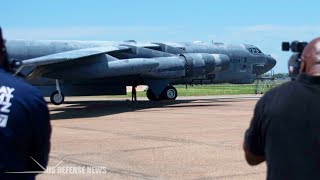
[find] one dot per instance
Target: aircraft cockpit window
(254, 50)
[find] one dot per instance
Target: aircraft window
(258, 50)
(254, 50)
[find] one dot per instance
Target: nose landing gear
(57, 96)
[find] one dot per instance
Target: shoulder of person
(20, 86)
(277, 91)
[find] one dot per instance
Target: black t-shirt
(24, 128)
(285, 129)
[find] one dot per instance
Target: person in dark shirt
(285, 128)
(134, 91)
(25, 128)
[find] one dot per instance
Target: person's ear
(303, 66)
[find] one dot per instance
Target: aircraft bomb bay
(190, 138)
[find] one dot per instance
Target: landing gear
(151, 96)
(169, 93)
(57, 96)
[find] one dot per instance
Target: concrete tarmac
(191, 138)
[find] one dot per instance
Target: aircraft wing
(72, 55)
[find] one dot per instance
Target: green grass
(207, 90)
(215, 90)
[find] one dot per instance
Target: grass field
(215, 90)
(206, 90)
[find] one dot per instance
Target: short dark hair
(4, 61)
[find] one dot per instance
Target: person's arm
(253, 145)
(252, 159)
(41, 134)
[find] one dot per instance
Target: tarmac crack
(231, 175)
(155, 138)
(122, 151)
(148, 148)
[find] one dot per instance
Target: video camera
(294, 62)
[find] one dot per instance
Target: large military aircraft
(105, 68)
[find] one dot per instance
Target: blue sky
(262, 23)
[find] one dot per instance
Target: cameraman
(24, 125)
(285, 128)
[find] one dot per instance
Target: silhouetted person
(285, 128)
(134, 91)
(24, 125)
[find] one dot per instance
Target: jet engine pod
(198, 64)
(222, 62)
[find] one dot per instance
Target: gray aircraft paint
(124, 62)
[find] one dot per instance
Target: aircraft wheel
(57, 98)
(169, 93)
(151, 96)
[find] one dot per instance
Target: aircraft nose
(271, 62)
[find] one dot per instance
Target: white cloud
(282, 28)
(90, 33)
(50, 33)
(279, 32)
(259, 28)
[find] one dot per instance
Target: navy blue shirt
(285, 129)
(24, 128)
